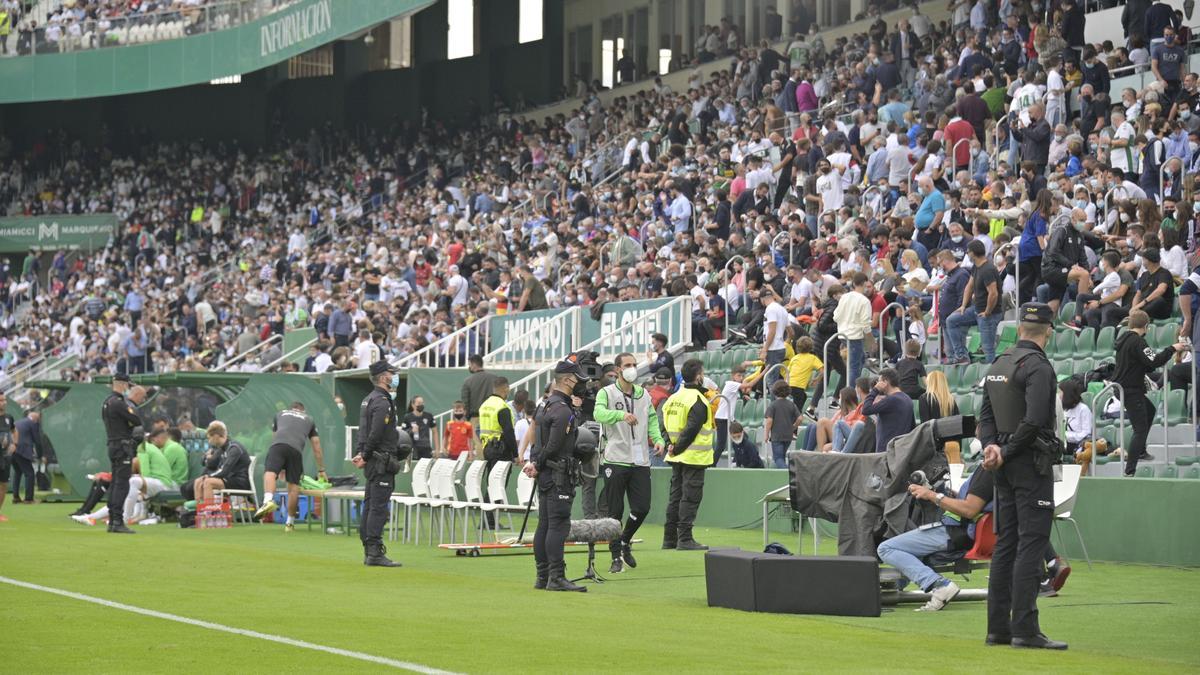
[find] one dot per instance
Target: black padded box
(764, 582)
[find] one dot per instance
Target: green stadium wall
(1129, 520)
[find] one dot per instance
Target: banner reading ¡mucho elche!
(24, 233)
(541, 330)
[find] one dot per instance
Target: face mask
(1058, 137)
(974, 152)
(922, 191)
(1129, 242)
(1169, 40)
(1196, 207)
(1081, 203)
(459, 415)
(998, 260)
(629, 374)
(419, 408)
(1193, 146)
(736, 439)
(1081, 226)
(956, 238)
(395, 381)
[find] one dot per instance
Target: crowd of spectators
(921, 163)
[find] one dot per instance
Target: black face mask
(459, 416)
(419, 408)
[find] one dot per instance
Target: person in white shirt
(1056, 100)
(727, 408)
(456, 287)
(897, 162)
(1122, 152)
(813, 288)
(829, 186)
(775, 323)
(853, 319)
(758, 173)
(366, 351)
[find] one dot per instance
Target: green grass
(481, 614)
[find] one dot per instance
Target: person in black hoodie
(825, 329)
(1135, 360)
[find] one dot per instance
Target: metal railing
(448, 350)
(825, 366)
(245, 357)
(954, 156)
(140, 28)
(728, 280)
(903, 328)
(288, 355)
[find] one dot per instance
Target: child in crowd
(911, 370)
(727, 408)
(460, 433)
(801, 369)
(744, 451)
(782, 420)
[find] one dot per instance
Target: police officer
(690, 431)
(120, 421)
(556, 469)
(1015, 428)
(379, 452)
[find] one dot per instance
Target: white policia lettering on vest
(296, 27)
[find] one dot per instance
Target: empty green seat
(1066, 311)
(1145, 471)
(1168, 471)
(1104, 343)
(1085, 342)
(1177, 412)
(1192, 472)
(1064, 343)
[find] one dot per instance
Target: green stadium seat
(966, 404)
(1168, 471)
(1145, 471)
(1192, 472)
(1085, 342)
(1187, 461)
(1104, 343)
(1177, 412)
(1066, 311)
(1064, 343)
(953, 376)
(1007, 338)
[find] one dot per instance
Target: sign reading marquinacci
(295, 27)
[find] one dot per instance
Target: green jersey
(177, 458)
(154, 464)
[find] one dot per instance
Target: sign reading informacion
(299, 25)
(25, 233)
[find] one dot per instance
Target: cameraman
(379, 457)
(955, 533)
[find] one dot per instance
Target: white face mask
(736, 439)
(629, 374)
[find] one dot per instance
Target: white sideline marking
(404, 665)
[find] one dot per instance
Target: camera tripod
(591, 574)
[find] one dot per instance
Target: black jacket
(1035, 141)
(235, 464)
(1135, 360)
(377, 424)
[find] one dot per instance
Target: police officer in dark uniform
(1016, 428)
(120, 422)
(557, 471)
(379, 453)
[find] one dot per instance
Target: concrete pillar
(823, 13)
(713, 11)
(784, 8)
(857, 6)
(750, 30)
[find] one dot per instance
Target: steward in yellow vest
(688, 421)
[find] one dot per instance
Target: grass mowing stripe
(403, 665)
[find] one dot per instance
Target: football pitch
(254, 599)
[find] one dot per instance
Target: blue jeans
(774, 356)
(904, 552)
(988, 325)
(956, 332)
(779, 450)
(857, 357)
(846, 435)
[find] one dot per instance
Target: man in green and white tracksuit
(631, 433)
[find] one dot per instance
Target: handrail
(420, 358)
(903, 328)
(245, 356)
(1108, 194)
(996, 146)
(728, 279)
(825, 367)
(1161, 172)
(1054, 221)
(767, 375)
(954, 155)
(289, 355)
(1115, 387)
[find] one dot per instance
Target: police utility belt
(388, 461)
(565, 470)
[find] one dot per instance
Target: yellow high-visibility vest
(675, 415)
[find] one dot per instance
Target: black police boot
(543, 575)
(376, 556)
(994, 639)
(119, 528)
(687, 543)
(1038, 641)
(558, 580)
(670, 538)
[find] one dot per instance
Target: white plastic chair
(473, 488)
(420, 496)
(1065, 493)
(444, 488)
(237, 498)
(526, 491)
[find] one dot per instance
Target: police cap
(1036, 312)
(569, 367)
(121, 377)
(380, 367)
